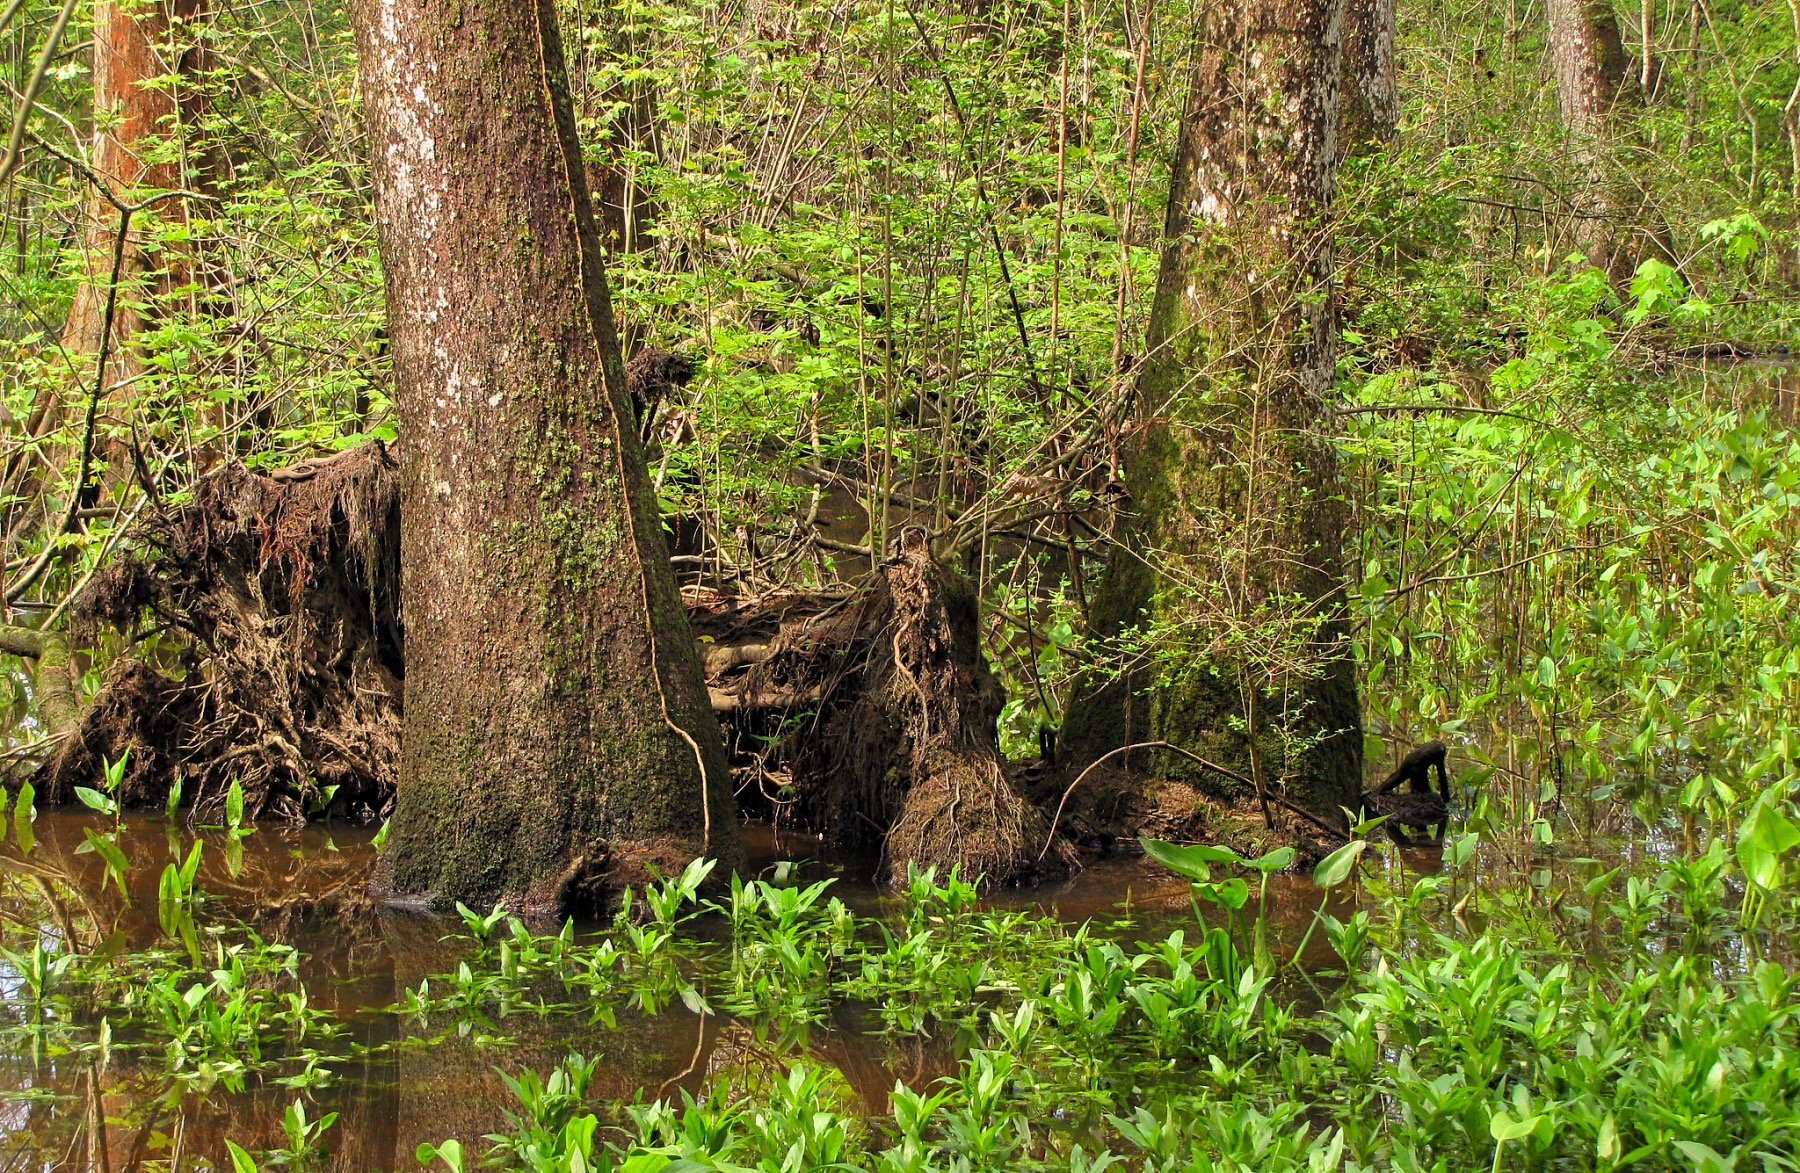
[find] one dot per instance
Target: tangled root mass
(874, 716)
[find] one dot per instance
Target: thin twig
(15, 144)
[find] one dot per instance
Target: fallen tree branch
(1197, 760)
(54, 687)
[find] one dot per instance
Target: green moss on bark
(1229, 557)
(555, 717)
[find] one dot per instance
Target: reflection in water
(69, 1102)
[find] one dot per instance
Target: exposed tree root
(870, 716)
(284, 591)
(898, 748)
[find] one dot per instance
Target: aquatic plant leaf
(1769, 836)
(1232, 893)
(241, 1161)
(1459, 849)
(1705, 1158)
(1273, 862)
(234, 805)
(1191, 860)
(23, 814)
(94, 800)
(109, 852)
(168, 900)
(190, 867)
(1503, 1126)
(1335, 868)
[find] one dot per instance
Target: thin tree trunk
(1231, 553)
(1369, 98)
(1690, 115)
(557, 735)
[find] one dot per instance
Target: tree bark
(1593, 70)
(133, 123)
(53, 684)
(556, 732)
(1595, 87)
(1230, 551)
(1369, 96)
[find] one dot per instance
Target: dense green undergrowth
(1573, 558)
(1620, 1018)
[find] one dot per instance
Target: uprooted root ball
(285, 591)
(899, 748)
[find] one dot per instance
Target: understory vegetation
(1595, 1021)
(910, 253)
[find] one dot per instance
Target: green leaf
(115, 771)
(1705, 1158)
(1192, 860)
(168, 900)
(1504, 1127)
(450, 1153)
(94, 800)
(1232, 893)
(1335, 868)
(23, 813)
(240, 1160)
(234, 805)
(1606, 1147)
(1460, 849)
(1761, 845)
(1273, 862)
(109, 851)
(190, 867)
(656, 1163)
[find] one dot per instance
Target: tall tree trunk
(1596, 89)
(1369, 97)
(1230, 556)
(557, 735)
(135, 45)
(137, 116)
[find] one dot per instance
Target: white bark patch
(415, 188)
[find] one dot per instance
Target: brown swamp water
(392, 1091)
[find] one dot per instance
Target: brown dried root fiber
(284, 592)
(901, 750)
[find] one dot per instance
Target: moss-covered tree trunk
(1229, 556)
(556, 732)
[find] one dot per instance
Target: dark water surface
(74, 1107)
